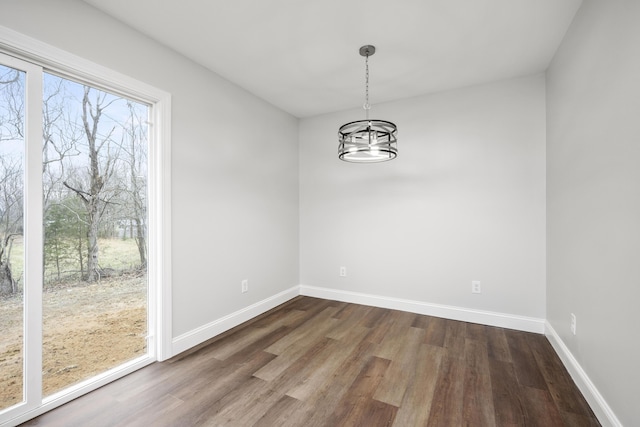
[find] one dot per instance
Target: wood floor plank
(391, 343)
(314, 327)
(476, 332)
(477, 401)
(202, 400)
(525, 364)
(397, 377)
(377, 334)
(563, 390)
(352, 323)
(321, 404)
(282, 414)
(296, 344)
(232, 409)
(84, 413)
(421, 322)
(374, 318)
(311, 304)
(416, 404)
(226, 375)
(540, 408)
(310, 307)
(92, 412)
(358, 398)
(140, 383)
(435, 331)
(346, 311)
(578, 420)
(497, 345)
(372, 413)
(508, 400)
(265, 394)
(314, 362)
(305, 366)
(243, 338)
(446, 408)
(164, 383)
(454, 338)
(307, 384)
(153, 413)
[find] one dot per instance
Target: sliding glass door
(75, 300)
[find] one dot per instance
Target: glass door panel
(95, 232)
(12, 155)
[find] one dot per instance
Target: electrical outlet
(573, 323)
(343, 271)
(475, 287)
(245, 286)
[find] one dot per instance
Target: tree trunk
(93, 273)
(139, 208)
(56, 255)
(7, 284)
(141, 241)
(92, 200)
(80, 257)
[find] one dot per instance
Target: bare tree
(94, 174)
(60, 139)
(12, 104)
(96, 194)
(137, 156)
(11, 172)
(11, 213)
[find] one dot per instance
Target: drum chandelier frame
(369, 140)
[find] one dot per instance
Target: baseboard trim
(199, 335)
(509, 321)
(203, 333)
(599, 406)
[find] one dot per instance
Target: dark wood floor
(314, 362)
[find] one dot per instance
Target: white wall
(593, 162)
(464, 200)
(235, 208)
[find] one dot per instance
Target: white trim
(66, 63)
(603, 411)
(164, 319)
(203, 333)
(503, 320)
(33, 239)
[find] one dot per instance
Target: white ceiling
(302, 55)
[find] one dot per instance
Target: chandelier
(367, 141)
